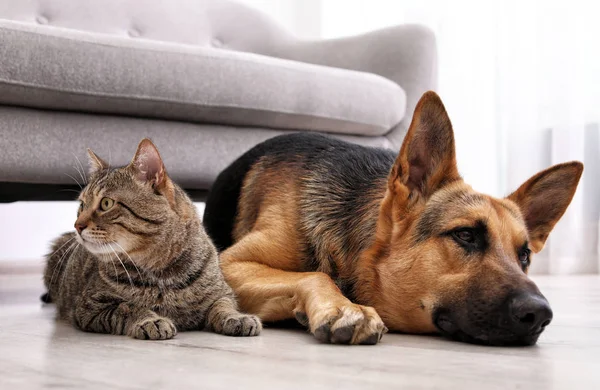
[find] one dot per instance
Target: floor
(37, 352)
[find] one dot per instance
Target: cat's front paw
(241, 325)
(154, 328)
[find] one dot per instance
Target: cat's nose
(79, 227)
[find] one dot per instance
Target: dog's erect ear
(148, 165)
(96, 163)
(427, 159)
(544, 198)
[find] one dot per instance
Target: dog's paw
(240, 325)
(348, 324)
(154, 328)
(302, 318)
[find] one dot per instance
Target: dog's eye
(471, 238)
(524, 255)
(466, 236)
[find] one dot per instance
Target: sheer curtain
(521, 81)
(549, 101)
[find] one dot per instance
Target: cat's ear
(96, 163)
(148, 165)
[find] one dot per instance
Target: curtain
(548, 79)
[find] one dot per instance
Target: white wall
(26, 228)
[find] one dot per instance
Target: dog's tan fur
(397, 254)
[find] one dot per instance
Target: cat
(140, 263)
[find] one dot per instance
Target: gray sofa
(205, 79)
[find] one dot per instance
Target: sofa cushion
(53, 68)
(46, 147)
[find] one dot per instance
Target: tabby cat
(140, 263)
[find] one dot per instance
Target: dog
(352, 241)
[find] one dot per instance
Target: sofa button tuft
(41, 19)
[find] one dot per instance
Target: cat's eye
(106, 204)
(80, 209)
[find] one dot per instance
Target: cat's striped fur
(144, 266)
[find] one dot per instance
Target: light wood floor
(38, 352)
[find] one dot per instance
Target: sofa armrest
(405, 54)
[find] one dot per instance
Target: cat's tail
(46, 298)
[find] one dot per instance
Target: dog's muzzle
(519, 320)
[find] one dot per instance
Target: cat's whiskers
(62, 257)
(82, 172)
(130, 259)
(69, 190)
(125, 268)
(113, 263)
(76, 181)
(69, 262)
(62, 246)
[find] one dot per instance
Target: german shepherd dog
(352, 240)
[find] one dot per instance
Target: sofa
(205, 79)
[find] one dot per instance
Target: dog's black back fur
(348, 170)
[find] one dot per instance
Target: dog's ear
(96, 164)
(427, 159)
(544, 198)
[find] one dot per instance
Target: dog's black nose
(528, 313)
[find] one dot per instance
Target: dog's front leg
(311, 297)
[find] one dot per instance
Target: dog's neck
(392, 209)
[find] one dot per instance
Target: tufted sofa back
(217, 23)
